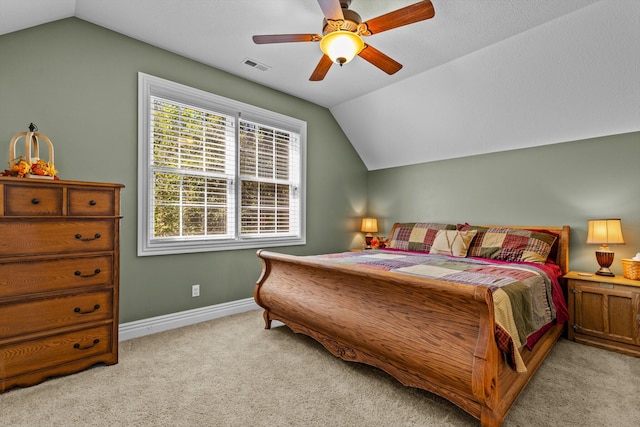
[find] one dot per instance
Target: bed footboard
(427, 334)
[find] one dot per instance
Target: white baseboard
(157, 324)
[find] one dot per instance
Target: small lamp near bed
(369, 225)
(605, 232)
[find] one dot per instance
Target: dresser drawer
(45, 314)
(26, 237)
(91, 202)
(32, 201)
(33, 355)
(24, 276)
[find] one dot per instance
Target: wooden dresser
(59, 272)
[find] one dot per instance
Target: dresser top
(55, 182)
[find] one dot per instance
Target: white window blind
(193, 164)
(268, 176)
(211, 180)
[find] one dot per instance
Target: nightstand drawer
(32, 201)
(91, 202)
(33, 355)
(21, 277)
(39, 315)
(49, 237)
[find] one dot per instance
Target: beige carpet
(232, 372)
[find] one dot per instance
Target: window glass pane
(265, 208)
(217, 221)
(249, 223)
(282, 156)
(267, 194)
(282, 195)
(265, 153)
(182, 202)
(193, 221)
(190, 139)
(248, 149)
(166, 220)
(267, 220)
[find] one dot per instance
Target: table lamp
(369, 225)
(605, 232)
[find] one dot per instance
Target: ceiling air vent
(256, 64)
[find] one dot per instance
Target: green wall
(78, 83)
(560, 184)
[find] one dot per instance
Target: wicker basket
(631, 269)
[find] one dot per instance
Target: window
(214, 173)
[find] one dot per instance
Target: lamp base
(604, 256)
(605, 272)
(367, 239)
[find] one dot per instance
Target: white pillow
(452, 242)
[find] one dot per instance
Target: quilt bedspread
(522, 293)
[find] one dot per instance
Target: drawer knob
(92, 202)
(77, 345)
(95, 273)
(87, 239)
(35, 200)
(79, 310)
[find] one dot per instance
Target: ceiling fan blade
(321, 69)
(331, 9)
(286, 38)
(379, 59)
(407, 15)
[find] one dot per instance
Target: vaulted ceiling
(481, 76)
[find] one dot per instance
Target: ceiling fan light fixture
(341, 46)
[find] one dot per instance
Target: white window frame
(149, 86)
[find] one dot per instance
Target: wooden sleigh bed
(427, 333)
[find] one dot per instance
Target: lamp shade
(369, 225)
(605, 231)
(341, 46)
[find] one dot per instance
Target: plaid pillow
(511, 244)
(553, 255)
(416, 236)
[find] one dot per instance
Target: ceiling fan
(342, 33)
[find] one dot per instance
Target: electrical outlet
(195, 290)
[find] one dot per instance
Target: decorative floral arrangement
(30, 166)
(21, 168)
(378, 243)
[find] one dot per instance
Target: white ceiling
(481, 76)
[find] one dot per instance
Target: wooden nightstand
(604, 312)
